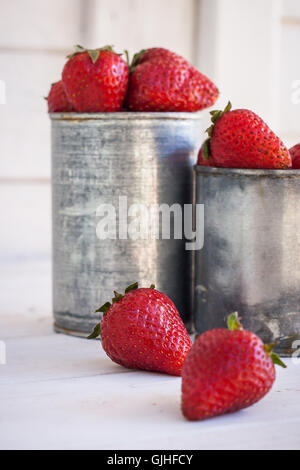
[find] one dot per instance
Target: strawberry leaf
(215, 116)
(228, 108)
(135, 59)
(209, 130)
(131, 287)
(127, 57)
(233, 322)
(269, 348)
(275, 358)
(96, 332)
(94, 54)
(103, 308)
(117, 297)
(206, 150)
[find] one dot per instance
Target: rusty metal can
(96, 159)
(250, 262)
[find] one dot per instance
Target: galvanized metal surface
(250, 262)
(96, 158)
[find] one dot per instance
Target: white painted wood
(25, 221)
(25, 126)
(207, 37)
(244, 64)
(291, 8)
(33, 324)
(25, 287)
(137, 24)
(250, 50)
(35, 24)
(59, 392)
(237, 47)
(41, 358)
(289, 97)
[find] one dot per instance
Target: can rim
(213, 171)
(124, 116)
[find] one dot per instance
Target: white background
(249, 48)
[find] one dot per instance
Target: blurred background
(249, 48)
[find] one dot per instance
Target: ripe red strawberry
(57, 99)
(241, 139)
(95, 80)
(163, 81)
(143, 330)
(225, 371)
(295, 155)
(204, 159)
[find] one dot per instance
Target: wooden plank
(54, 357)
(25, 125)
(32, 324)
(63, 392)
(25, 287)
(26, 233)
(289, 74)
(245, 60)
(135, 411)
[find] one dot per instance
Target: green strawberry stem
(131, 287)
(117, 297)
(275, 358)
(105, 307)
(93, 53)
(127, 58)
(215, 115)
(206, 150)
(96, 332)
(234, 324)
(135, 59)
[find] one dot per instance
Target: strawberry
(203, 158)
(225, 371)
(163, 81)
(143, 330)
(295, 155)
(241, 139)
(57, 99)
(95, 80)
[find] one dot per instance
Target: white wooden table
(60, 392)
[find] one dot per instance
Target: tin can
(97, 159)
(250, 262)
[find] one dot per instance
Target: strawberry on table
(241, 139)
(142, 329)
(225, 371)
(161, 80)
(295, 155)
(57, 99)
(95, 80)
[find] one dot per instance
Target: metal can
(250, 262)
(98, 159)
